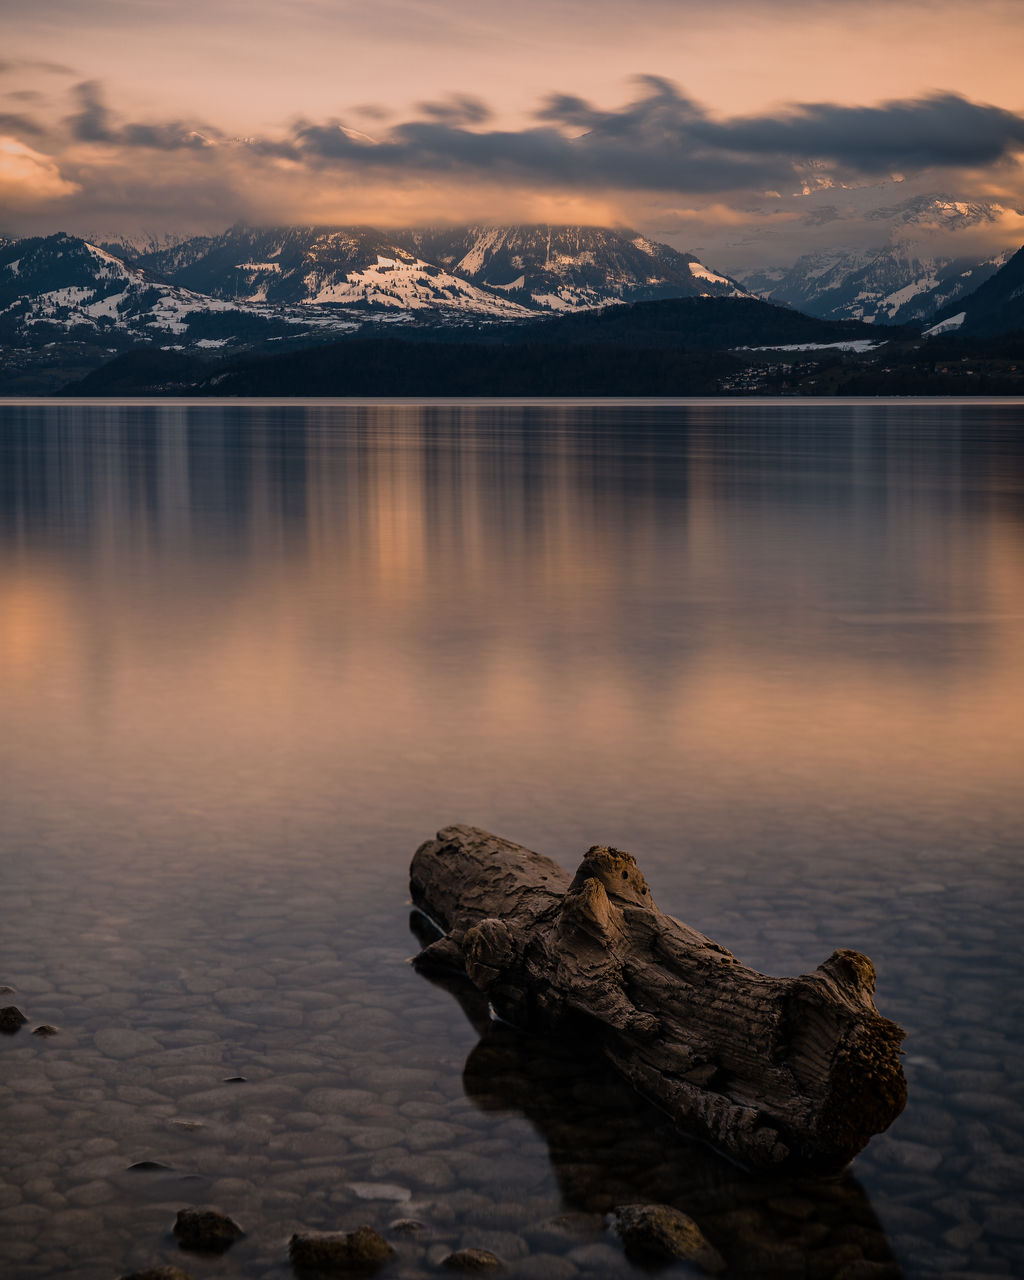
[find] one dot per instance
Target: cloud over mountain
(664, 141)
(448, 158)
(94, 122)
(28, 178)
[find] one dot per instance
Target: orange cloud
(29, 178)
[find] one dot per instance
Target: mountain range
(927, 259)
(996, 307)
(497, 272)
(67, 304)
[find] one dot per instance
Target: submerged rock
(657, 1232)
(407, 1226)
(45, 1031)
(362, 1250)
(472, 1260)
(11, 1019)
(205, 1230)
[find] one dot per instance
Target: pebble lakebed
(365, 1098)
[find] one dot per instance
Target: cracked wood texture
(778, 1073)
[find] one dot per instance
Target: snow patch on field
(105, 306)
(946, 326)
(855, 344)
(554, 302)
(700, 272)
(517, 283)
(566, 299)
(173, 312)
(73, 295)
(485, 243)
(893, 301)
(409, 286)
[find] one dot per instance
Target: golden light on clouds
(416, 201)
(125, 120)
(28, 178)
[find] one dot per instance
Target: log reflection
(609, 1147)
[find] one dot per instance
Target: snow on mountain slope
(252, 285)
(410, 284)
(891, 286)
(996, 307)
(324, 266)
(931, 257)
(946, 326)
(940, 212)
(568, 268)
(59, 286)
(480, 272)
(700, 272)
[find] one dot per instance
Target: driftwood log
(778, 1073)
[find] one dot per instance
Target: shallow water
(251, 657)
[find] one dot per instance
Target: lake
(253, 655)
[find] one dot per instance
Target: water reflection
(250, 658)
(787, 597)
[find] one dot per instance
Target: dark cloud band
(661, 143)
(664, 141)
(93, 122)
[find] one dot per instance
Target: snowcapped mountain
(569, 268)
(919, 271)
(996, 307)
(132, 245)
(62, 287)
(940, 213)
(487, 272)
(322, 266)
(68, 303)
(63, 283)
(893, 285)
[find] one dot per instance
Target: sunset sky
(694, 122)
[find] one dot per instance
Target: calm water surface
(251, 657)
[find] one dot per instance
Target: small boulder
(472, 1260)
(11, 1019)
(406, 1226)
(659, 1233)
(45, 1031)
(356, 1252)
(205, 1230)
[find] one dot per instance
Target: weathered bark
(794, 1073)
